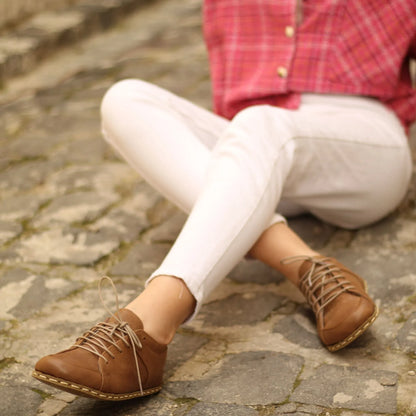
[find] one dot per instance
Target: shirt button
(282, 72)
(289, 31)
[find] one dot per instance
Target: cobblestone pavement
(72, 211)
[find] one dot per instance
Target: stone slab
(20, 207)
(141, 260)
(352, 388)
(18, 401)
(220, 409)
(24, 293)
(253, 271)
(77, 207)
(8, 231)
(156, 405)
(67, 246)
(183, 347)
(390, 275)
(240, 309)
(299, 328)
(238, 372)
(407, 335)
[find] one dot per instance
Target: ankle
(163, 306)
(162, 332)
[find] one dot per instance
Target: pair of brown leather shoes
(118, 360)
(338, 297)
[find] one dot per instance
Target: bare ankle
(163, 306)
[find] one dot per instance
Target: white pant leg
(348, 165)
(237, 202)
(327, 157)
(165, 138)
(352, 164)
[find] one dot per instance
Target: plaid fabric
(260, 55)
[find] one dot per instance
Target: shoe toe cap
(69, 369)
(352, 325)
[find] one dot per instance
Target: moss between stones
(188, 402)
(42, 393)
(5, 362)
(412, 299)
(400, 319)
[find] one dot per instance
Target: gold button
(282, 72)
(289, 31)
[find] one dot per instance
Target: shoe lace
(102, 336)
(322, 283)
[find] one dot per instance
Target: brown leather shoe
(114, 360)
(339, 299)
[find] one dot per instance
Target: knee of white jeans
(119, 95)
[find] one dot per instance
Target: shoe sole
(81, 390)
(355, 334)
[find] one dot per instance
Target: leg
(350, 199)
(165, 138)
(157, 132)
(263, 154)
(239, 197)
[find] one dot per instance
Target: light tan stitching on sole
(355, 334)
(76, 388)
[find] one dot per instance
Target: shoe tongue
(131, 318)
(306, 265)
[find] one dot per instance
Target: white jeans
(344, 159)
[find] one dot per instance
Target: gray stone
(8, 231)
(26, 175)
(407, 335)
(349, 388)
(83, 151)
(168, 230)
(18, 401)
(240, 309)
(390, 276)
(299, 328)
(247, 378)
(123, 226)
(24, 293)
(51, 407)
(155, 405)
(183, 347)
(20, 207)
(9, 256)
(315, 232)
(220, 409)
(141, 260)
(104, 178)
(310, 409)
(67, 246)
(292, 409)
(392, 233)
(78, 207)
(32, 146)
(129, 218)
(286, 408)
(253, 271)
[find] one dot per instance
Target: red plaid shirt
(260, 55)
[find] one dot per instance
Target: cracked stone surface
(350, 388)
(71, 211)
(237, 372)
